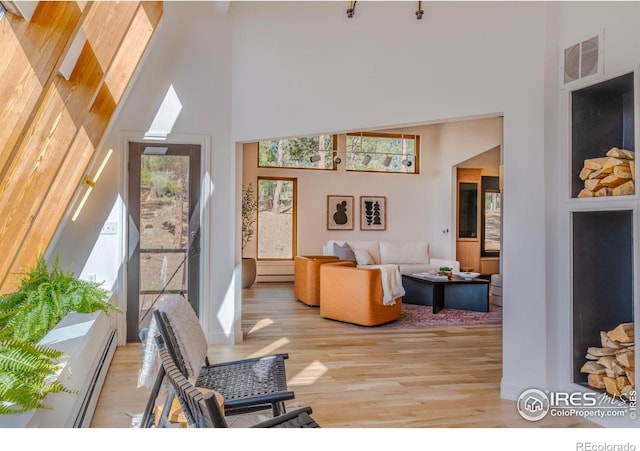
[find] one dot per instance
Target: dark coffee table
(456, 293)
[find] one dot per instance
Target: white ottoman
(495, 289)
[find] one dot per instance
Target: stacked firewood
(612, 365)
(611, 175)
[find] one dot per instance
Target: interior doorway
(479, 213)
(164, 228)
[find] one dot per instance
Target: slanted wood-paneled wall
(50, 127)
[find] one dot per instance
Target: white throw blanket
(391, 283)
(189, 335)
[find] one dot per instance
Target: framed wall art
(373, 213)
(340, 213)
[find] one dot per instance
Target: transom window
(383, 152)
(307, 152)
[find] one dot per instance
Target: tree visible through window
(309, 152)
(382, 152)
(276, 218)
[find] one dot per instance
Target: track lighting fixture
(366, 160)
(407, 162)
(337, 160)
(315, 158)
(387, 161)
(351, 9)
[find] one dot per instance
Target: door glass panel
(468, 210)
(164, 223)
(491, 221)
(276, 219)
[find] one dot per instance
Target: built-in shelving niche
(602, 117)
(602, 278)
(602, 236)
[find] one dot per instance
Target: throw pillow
(343, 252)
(363, 257)
(404, 252)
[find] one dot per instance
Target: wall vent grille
(581, 59)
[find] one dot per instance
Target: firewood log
(603, 192)
(608, 361)
(585, 173)
(596, 380)
(626, 189)
(611, 386)
(601, 351)
(621, 153)
(626, 391)
(632, 168)
(594, 185)
(611, 163)
(612, 181)
(623, 171)
(627, 359)
(585, 193)
(598, 174)
(624, 333)
(608, 342)
(595, 163)
(592, 367)
(622, 381)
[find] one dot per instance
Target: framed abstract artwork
(339, 212)
(373, 213)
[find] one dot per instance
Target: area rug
(421, 316)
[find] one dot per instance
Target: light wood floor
(355, 377)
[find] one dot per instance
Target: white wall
(294, 74)
(616, 21)
(190, 53)
(271, 69)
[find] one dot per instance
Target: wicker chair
(247, 385)
(202, 410)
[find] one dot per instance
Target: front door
(164, 228)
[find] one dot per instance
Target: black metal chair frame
(247, 385)
(202, 410)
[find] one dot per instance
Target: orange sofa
(306, 279)
(354, 295)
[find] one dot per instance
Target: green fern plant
(44, 296)
(28, 371)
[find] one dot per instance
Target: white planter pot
(249, 272)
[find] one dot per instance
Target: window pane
(381, 153)
(275, 219)
(492, 222)
(311, 152)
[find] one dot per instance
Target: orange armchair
(306, 280)
(354, 295)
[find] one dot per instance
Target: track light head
(315, 158)
(351, 9)
(337, 160)
(366, 160)
(387, 161)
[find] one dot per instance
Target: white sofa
(411, 256)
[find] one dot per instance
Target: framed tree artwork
(340, 213)
(373, 213)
